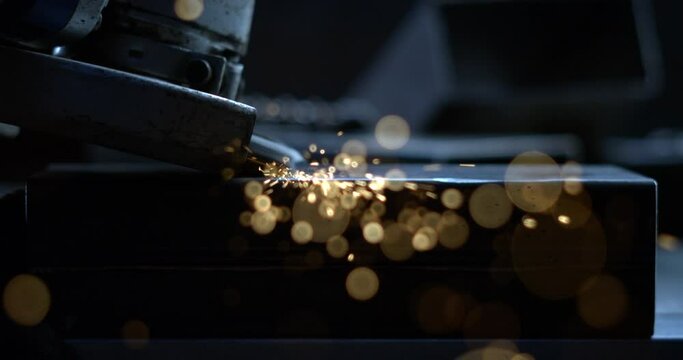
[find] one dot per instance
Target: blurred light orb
(337, 246)
(529, 222)
(302, 232)
(348, 201)
(571, 171)
(490, 207)
(533, 181)
(397, 242)
(26, 300)
(378, 208)
(395, 179)
(227, 174)
(284, 214)
(431, 219)
(603, 302)
(245, 218)
(263, 222)
(573, 186)
(262, 203)
(327, 209)
(453, 231)
(362, 283)
(188, 10)
(135, 334)
(564, 220)
(425, 239)
(253, 189)
(573, 211)
(452, 199)
(373, 232)
(668, 242)
(325, 227)
(353, 148)
(392, 132)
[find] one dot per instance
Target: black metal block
(164, 246)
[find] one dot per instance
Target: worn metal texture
(123, 111)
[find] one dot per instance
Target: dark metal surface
(123, 111)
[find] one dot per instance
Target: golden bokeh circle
(337, 246)
(425, 238)
(392, 132)
(431, 219)
(348, 201)
(188, 10)
(253, 189)
(26, 300)
(533, 181)
(573, 211)
(395, 179)
(362, 284)
(302, 232)
(263, 222)
(489, 206)
(373, 232)
(262, 203)
(529, 222)
(453, 231)
(353, 148)
(245, 218)
(668, 242)
(324, 227)
(452, 198)
(571, 172)
(603, 302)
(397, 242)
(227, 174)
(284, 214)
(135, 334)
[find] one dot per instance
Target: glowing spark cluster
(339, 195)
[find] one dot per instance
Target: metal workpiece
(123, 111)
